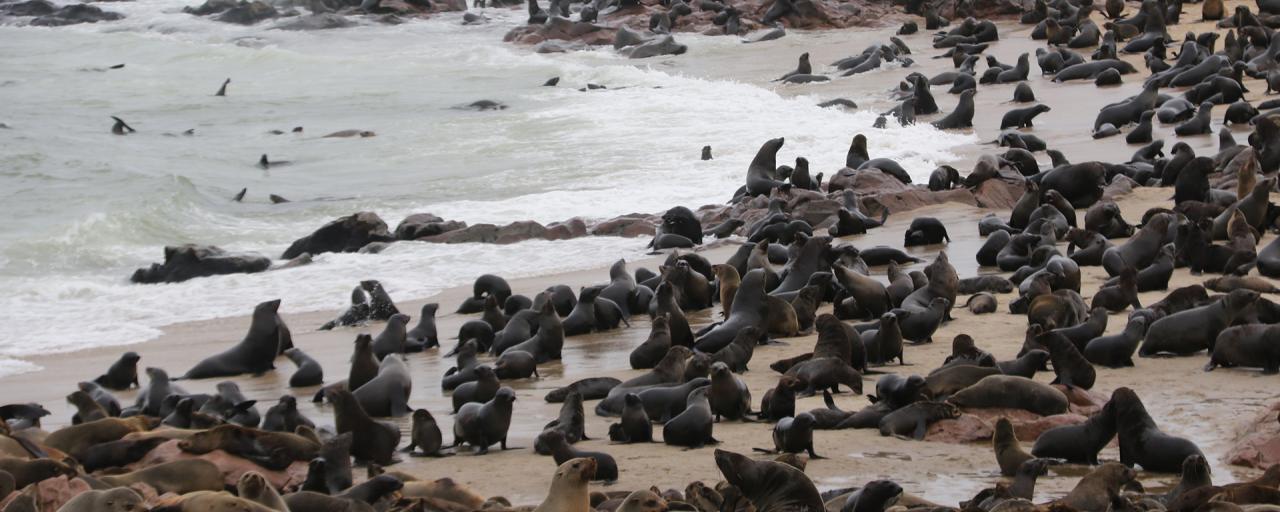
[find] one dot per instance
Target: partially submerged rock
(189, 261)
(346, 234)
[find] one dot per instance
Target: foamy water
(84, 208)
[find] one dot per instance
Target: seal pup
(254, 487)
(482, 425)
(876, 496)
(309, 372)
(222, 91)
(795, 435)
(1095, 490)
(1116, 351)
(1009, 454)
(122, 375)
(425, 439)
(1247, 346)
(728, 397)
(284, 416)
(120, 127)
(635, 426)
(562, 451)
(643, 501)
(571, 424)
(355, 314)
(693, 427)
(569, 491)
(120, 499)
(392, 338)
(424, 336)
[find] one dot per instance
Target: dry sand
(1205, 407)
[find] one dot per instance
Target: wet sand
(1184, 400)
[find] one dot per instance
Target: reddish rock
(520, 231)
(871, 182)
(1083, 402)
(561, 29)
(998, 194)
(487, 233)
(232, 467)
(1121, 185)
(816, 211)
(977, 425)
(572, 228)
(911, 199)
(1257, 444)
(630, 226)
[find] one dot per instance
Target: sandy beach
(1207, 408)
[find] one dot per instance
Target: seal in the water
(370, 440)
(254, 354)
(222, 91)
(122, 374)
(482, 425)
(1141, 441)
(961, 117)
(769, 485)
(120, 127)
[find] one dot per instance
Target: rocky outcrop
(75, 14)
(1257, 444)
(346, 234)
(248, 13)
(977, 425)
(29, 8)
(422, 225)
(324, 21)
(561, 29)
(183, 262)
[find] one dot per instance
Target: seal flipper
(922, 426)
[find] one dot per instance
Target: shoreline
(1184, 400)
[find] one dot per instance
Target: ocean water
(83, 208)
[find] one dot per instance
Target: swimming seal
(254, 354)
(483, 425)
(769, 485)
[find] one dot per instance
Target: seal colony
(767, 343)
